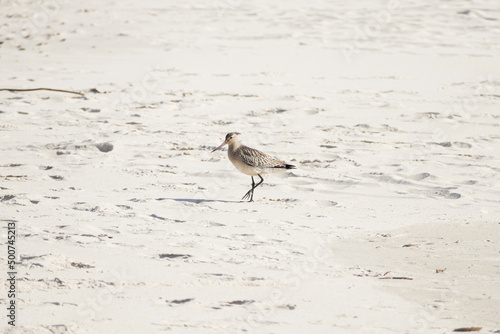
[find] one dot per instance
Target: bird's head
(231, 138)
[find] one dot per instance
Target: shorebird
(251, 161)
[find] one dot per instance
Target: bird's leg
(255, 186)
(249, 194)
(261, 180)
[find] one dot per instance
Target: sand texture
(127, 223)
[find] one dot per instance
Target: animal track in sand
(286, 200)
(239, 302)
(174, 256)
(321, 203)
(65, 148)
(301, 188)
(6, 198)
(418, 177)
(437, 192)
(325, 203)
(378, 128)
(385, 178)
(180, 301)
(430, 115)
(11, 165)
(456, 143)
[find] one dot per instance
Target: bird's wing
(256, 158)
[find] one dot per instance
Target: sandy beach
(125, 222)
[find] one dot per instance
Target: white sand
(389, 109)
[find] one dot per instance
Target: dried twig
(33, 89)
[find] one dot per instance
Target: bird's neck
(233, 146)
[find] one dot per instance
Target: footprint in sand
(419, 177)
(458, 144)
(437, 192)
(462, 144)
(320, 203)
(323, 204)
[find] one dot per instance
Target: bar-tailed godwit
(251, 162)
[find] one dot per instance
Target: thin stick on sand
(33, 89)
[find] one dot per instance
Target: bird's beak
(224, 143)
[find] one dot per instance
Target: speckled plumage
(251, 161)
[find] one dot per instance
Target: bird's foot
(248, 195)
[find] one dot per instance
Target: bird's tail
(290, 166)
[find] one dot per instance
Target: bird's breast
(241, 165)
